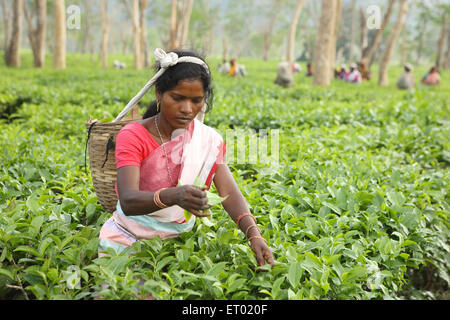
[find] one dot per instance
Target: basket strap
(87, 140)
(165, 60)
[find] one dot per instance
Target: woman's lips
(184, 120)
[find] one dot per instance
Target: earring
(157, 106)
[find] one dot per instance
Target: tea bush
(357, 205)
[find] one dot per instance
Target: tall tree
(441, 43)
(352, 32)
(267, 33)
(402, 15)
(105, 34)
(133, 10)
(368, 54)
(6, 11)
(59, 48)
(12, 55)
(142, 23)
(421, 39)
(173, 25)
(332, 54)
(447, 55)
(363, 27)
(185, 22)
(180, 16)
(292, 31)
(36, 35)
(324, 43)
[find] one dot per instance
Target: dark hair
(179, 72)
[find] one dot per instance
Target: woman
(432, 78)
(169, 145)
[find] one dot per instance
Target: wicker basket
(101, 144)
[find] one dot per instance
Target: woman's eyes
(177, 98)
(196, 101)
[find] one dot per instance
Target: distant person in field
(224, 67)
(295, 68)
(284, 75)
(119, 65)
(343, 72)
(354, 75)
(236, 70)
(406, 79)
(309, 70)
(233, 68)
(364, 71)
(432, 77)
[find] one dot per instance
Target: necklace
(165, 153)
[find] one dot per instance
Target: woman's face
(181, 104)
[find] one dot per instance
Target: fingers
(194, 198)
(263, 253)
(200, 213)
(268, 256)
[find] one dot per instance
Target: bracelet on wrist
(256, 237)
(157, 200)
(244, 215)
(248, 229)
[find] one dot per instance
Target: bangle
(157, 200)
(257, 237)
(243, 215)
(252, 226)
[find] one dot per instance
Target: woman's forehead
(191, 87)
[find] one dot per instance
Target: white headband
(166, 60)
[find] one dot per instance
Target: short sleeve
(133, 144)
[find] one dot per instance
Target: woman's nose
(186, 106)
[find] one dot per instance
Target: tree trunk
(371, 49)
(173, 25)
(268, 32)
(363, 26)
(41, 7)
(137, 35)
(36, 36)
(86, 27)
(6, 24)
(441, 43)
(292, 31)
(105, 33)
(352, 32)
(403, 47)
(324, 42)
(12, 54)
(421, 41)
(186, 21)
(447, 59)
(59, 50)
(225, 49)
(334, 39)
(402, 15)
(144, 47)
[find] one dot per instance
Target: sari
(193, 153)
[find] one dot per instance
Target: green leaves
(294, 274)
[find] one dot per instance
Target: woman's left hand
(262, 251)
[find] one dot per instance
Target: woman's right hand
(190, 198)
